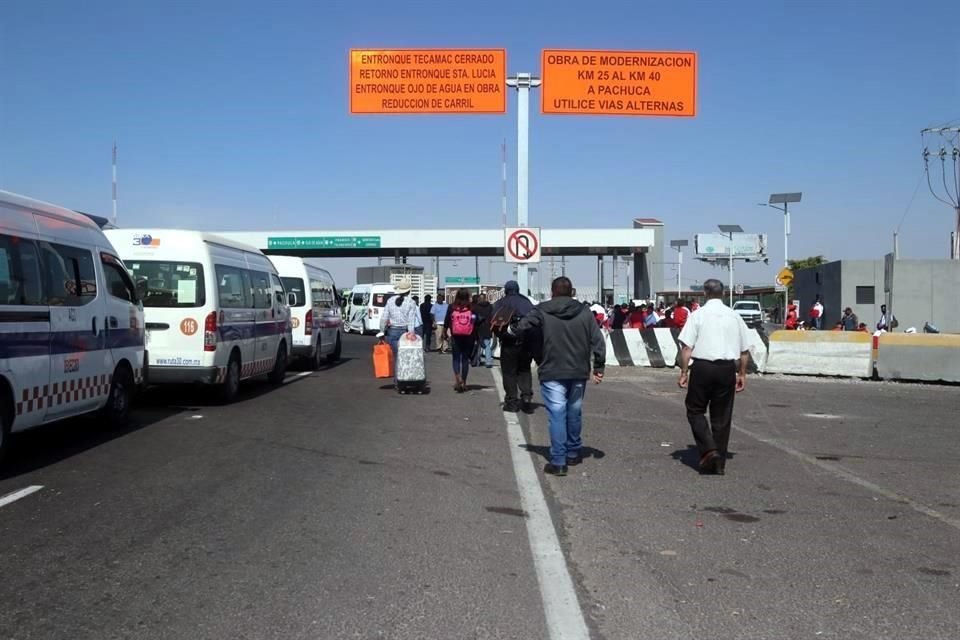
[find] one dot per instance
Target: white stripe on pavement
(16, 495)
(565, 619)
(849, 476)
(296, 376)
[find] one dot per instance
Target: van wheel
(346, 327)
(337, 351)
(279, 366)
(231, 381)
(117, 412)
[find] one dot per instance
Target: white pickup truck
(750, 311)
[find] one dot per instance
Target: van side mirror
(291, 299)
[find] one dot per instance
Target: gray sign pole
(523, 82)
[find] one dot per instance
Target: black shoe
(574, 461)
(527, 408)
(721, 464)
(511, 406)
(554, 470)
(710, 463)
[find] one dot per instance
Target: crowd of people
(644, 315)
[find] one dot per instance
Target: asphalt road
(333, 508)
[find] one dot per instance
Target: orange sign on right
(619, 83)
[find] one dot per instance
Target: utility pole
(950, 137)
(523, 82)
(114, 183)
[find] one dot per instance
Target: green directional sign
(324, 242)
(461, 280)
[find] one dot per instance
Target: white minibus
(215, 310)
(71, 326)
(314, 310)
(366, 304)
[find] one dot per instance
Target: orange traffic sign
(620, 83)
(428, 81)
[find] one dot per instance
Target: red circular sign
(523, 244)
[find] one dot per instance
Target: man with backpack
(515, 357)
(570, 336)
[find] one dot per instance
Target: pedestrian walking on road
(515, 355)
(484, 312)
(570, 337)
(440, 316)
(399, 316)
(426, 314)
(461, 325)
(716, 339)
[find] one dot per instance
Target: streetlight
(679, 245)
(731, 229)
(784, 199)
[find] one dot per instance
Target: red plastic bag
(382, 360)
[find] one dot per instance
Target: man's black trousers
(712, 386)
(515, 366)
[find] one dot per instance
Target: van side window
(321, 294)
(119, 284)
(261, 289)
(233, 288)
(70, 275)
(358, 300)
(20, 280)
(278, 296)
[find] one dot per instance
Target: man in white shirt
(717, 340)
(818, 318)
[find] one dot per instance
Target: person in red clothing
(637, 317)
(680, 314)
(792, 318)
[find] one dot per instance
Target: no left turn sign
(522, 244)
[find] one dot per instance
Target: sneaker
(511, 406)
(527, 408)
(554, 470)
(574, 461)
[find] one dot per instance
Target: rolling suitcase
(411, 371)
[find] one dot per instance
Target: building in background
(916, 291)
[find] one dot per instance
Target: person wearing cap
(515, 356)
(849, 320)
(399, 316)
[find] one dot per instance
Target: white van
(366, 304)
(314, 310)
(71, 326)
(216, 312)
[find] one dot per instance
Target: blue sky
(234, 115)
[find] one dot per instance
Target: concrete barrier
(926, 357)
(660, 347)
(821, 353)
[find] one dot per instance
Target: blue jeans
(393, 339)
(486, 347)
(462, 351)
(564, 401)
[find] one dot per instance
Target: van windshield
(168, 284)
(295, 286)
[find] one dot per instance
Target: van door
(281, 317)
(124, 327)
(237, 322)
(266, 336)
(80, 363)
(24, 330)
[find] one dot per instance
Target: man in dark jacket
(570, 337)
(515, 354)
(426, 314)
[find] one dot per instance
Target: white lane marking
(295, 376)
(564, 617)
(16, 495)
(842, 473)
